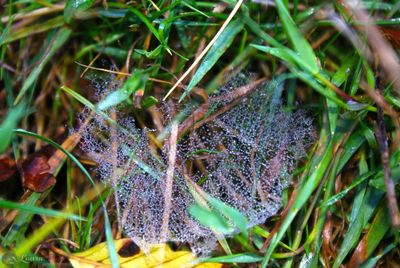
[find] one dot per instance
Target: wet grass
(337, 62)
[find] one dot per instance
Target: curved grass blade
(38, 210)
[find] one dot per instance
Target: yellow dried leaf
(130, 255)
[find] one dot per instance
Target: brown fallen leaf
(7, 168)
(327, 252)
(392, 35)
(38, 170)
(35, 174)
(359, 254)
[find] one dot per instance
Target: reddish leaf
(35, 173)
(39, 169)
(7, 169)
(392, 35)
(327, 251)
(360, 254)
(40, 182)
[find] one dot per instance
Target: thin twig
(380, 131)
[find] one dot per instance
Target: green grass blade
(371, 263)
(369, 205)
(232, 214)
(38, 210)
(299, 43)
(9, 123)
(223, 42)
(210, 219)
(135, 82)
(303, 195)
(73, 6)
(33, 29)
(236, 258)
(59, 40)
(150, 26)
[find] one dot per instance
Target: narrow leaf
(299, 43)
(223, 42)
(59, 39)
(73, 6)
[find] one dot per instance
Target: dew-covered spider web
(244, 157)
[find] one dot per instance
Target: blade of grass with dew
(362, 188)
(223, 42)
(87, 103)
(24, 248)
(59, 39)
(135, 82)
(210, 219)
(258, 31)
(293, 60)
(356, 140)
(335, 198)
(237, 64)
(38, 210)
(232, 214)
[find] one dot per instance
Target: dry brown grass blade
(327, 252)
(169, 179)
